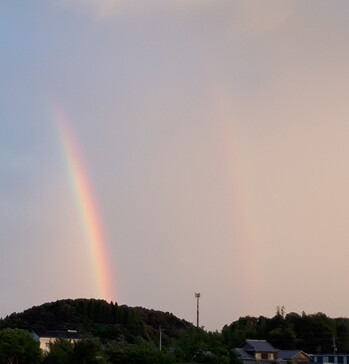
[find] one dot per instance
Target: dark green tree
(60, 352)
(342, 337)
(233, 359)
(18, 346)
(116, 350)
(283, 337)
(144, 352)
(88, 351)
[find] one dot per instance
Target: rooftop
(258, 345)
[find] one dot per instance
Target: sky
(153, 149)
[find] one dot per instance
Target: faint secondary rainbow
(245, 243)
(87, 207)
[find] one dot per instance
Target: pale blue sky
(215, 135)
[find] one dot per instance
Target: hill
(97, 317)
(314, 333)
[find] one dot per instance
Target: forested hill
(97, 317)
(315, 333)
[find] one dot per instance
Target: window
(319, 359)
(340, 359)
(331, 359)
(265, 356)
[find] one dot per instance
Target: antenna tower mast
(197, 295)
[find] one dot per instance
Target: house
(330, 358)
(45, 337)
(297, 356)
(261, 352)
(254, 350)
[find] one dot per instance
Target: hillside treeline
(123, 334)
(99, 318)
(119, 334)
(314, 333)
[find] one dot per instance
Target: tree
(18, 346)
(144, 352)
(283, 337)
(61, 352)
(233, 359)
(116, 350)
(88, 352)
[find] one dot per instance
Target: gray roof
(70, 334)
(242, 354)
(278, 361)
(288, 354)
(258, 345)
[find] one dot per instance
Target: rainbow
(87, 207)
(245, 245)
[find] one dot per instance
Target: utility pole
(160, 330)
(197, 295)
(334, 345)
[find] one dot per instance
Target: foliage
(145, 352)
(88, 352)
(311, 333)
(63, 351)
(18, 346)
(60, 352)
(196, 345)
(98, 317)
(121, 334)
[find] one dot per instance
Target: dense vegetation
(126, 334)
(97, 317)
(122, 334)
(314, 333)
(19, 347)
